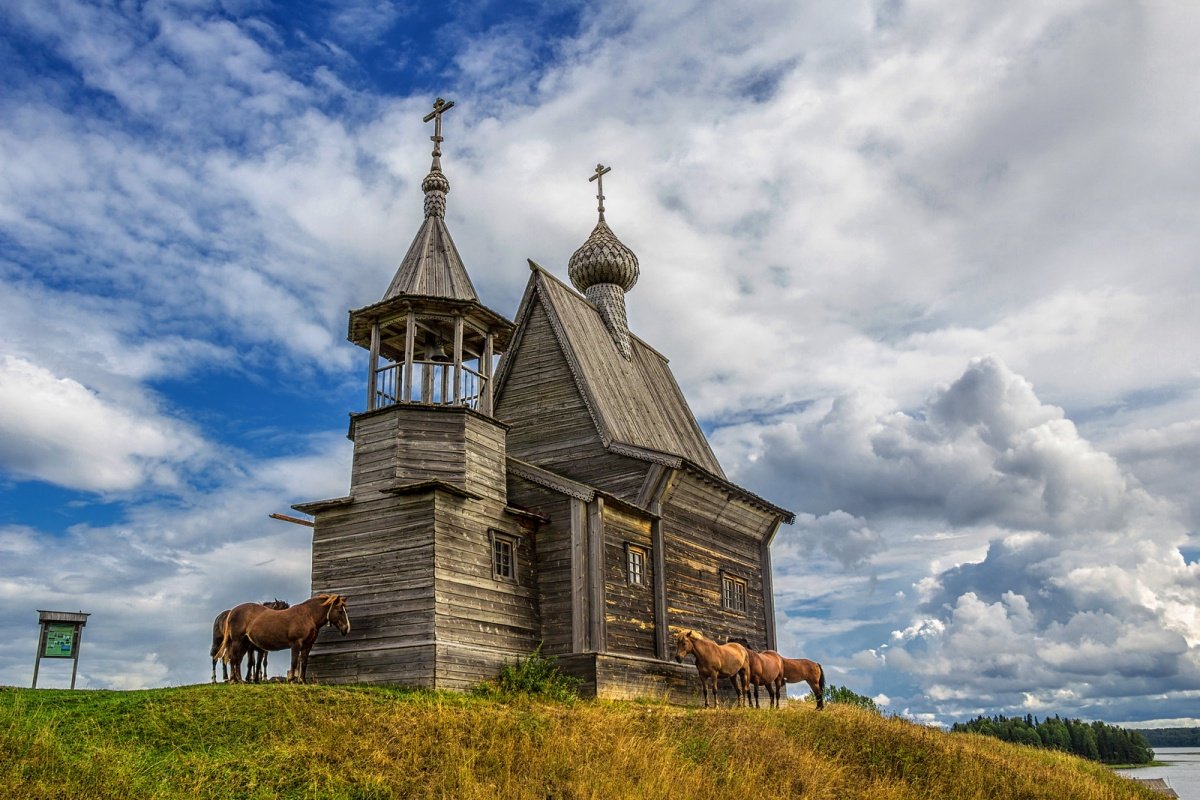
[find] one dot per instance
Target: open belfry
(533, 482)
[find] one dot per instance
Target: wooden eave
(548, 479)
(322, 505)
(396, 309)
(421, 487)
(737, 491)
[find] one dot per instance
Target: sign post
(60, 636)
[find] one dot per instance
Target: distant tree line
(1172, 737)
(1098, 741)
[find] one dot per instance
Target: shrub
(533, 675)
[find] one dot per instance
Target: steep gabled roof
(432, 267)
(636, 404)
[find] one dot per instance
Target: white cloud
(57, 430)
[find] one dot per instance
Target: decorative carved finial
(599, 179)
(435, 184)
(440, 107)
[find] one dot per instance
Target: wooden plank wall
(475, 611)
(550, 423)
(703, 536)
(553, 561)
(629, 608)
(380, 553)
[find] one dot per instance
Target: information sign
(60, 640)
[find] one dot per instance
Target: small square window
(504, 556)
(733, 593)
(635, 564)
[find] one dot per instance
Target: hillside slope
(356, 742)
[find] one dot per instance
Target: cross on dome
(440, 107)
(599, 179)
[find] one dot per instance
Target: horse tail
(821, 680)
(223, 654)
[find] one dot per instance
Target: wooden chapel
(566, 497)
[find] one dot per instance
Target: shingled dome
(603, 259)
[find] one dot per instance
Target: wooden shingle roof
(637, 406)
(432, 266)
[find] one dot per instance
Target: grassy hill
(356, 742)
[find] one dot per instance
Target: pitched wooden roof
(637, 406)
(432, 267)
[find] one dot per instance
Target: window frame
(643, 554)
(496, 540)
(729, 598)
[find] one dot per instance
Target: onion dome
(603, 259)
(604, 269)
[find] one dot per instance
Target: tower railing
(432, 384)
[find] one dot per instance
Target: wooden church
(537, 481)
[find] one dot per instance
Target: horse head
(336, 614)
(684, 644)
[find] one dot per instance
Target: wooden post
(410, 342)
(768, 590)
(485, 401)
(458, 364)
(595, 533)
(662, 625)
(372, 366)
(579, 593)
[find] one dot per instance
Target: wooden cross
(598, 178)
(440, 107)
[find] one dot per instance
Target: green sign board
(60, 640)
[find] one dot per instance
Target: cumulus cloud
(57, 430)
(1081, 595)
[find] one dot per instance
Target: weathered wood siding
(414, 443)
(553, 561)
(705, 532)
(379, 552)
(550, 423)
(629, 607)
(480, 619)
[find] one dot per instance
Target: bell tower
(428, 493)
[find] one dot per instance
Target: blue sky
(926, 272)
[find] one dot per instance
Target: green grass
(330, 743)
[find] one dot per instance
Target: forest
(1172, 737)
(1097, 741)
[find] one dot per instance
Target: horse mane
(743, 641)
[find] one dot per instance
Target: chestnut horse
(796, 670)
(766, 669)
(258, 668)
(715, 661)
(252, 625)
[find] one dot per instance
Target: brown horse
(258, 666)
(714, 661)
(766, 669)
(796, 670)
(252, 625)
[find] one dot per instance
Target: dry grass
(326, 742)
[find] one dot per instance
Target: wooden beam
(662, 625)
(372, 366)
(458, 360)
(579, 594)
(296, 520)
(486, 365)
(768, 589)
(410, 346)
(597, 610)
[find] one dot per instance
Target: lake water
(1182, 773)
